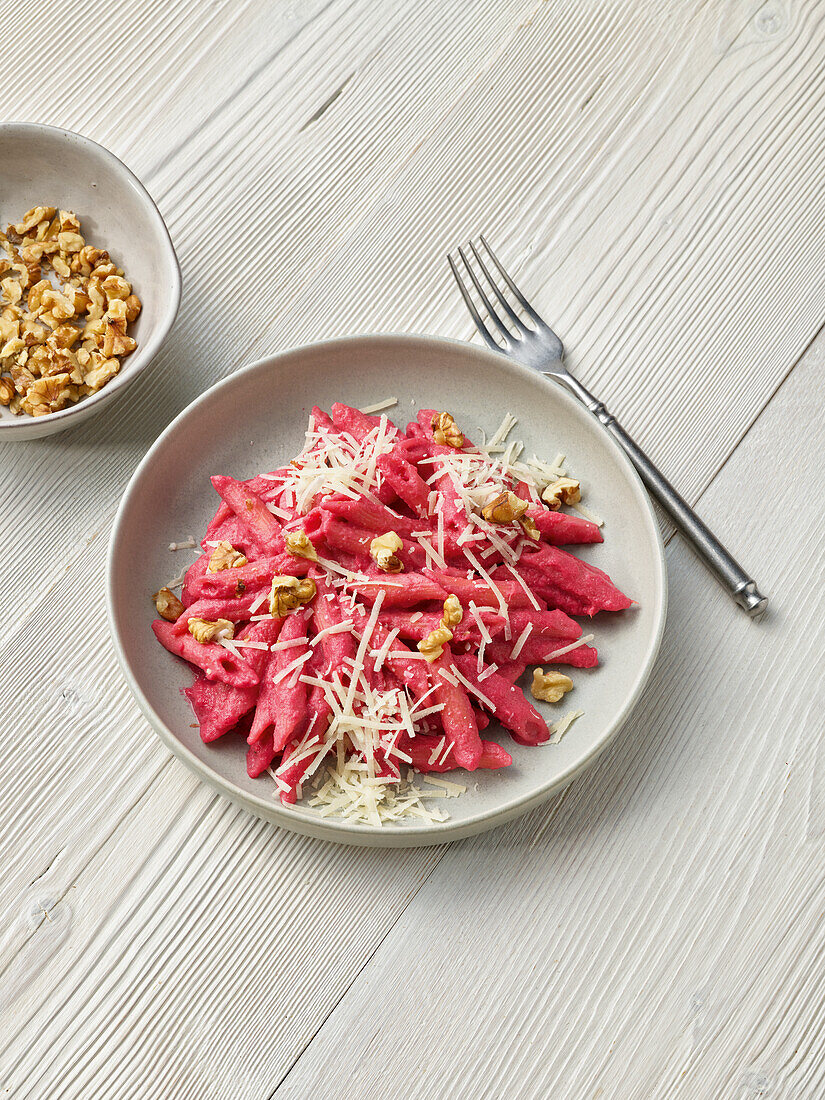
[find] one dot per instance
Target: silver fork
(537, 346)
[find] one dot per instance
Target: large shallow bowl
(255, 421)
(44, 165)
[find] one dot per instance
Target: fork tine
(525, 305)
(488, 305)
(508, 309)
(471, 306)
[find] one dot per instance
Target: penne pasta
(396, 585)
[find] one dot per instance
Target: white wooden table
(653, 171)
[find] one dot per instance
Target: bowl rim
(147, 351)
(336, 829)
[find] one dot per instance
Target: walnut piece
(445, 431)
(202, 630)
(504, 508)
(528, 526)
(433, 645)
(549, 686)
(6, 390)
(288, 594)
(225, 556)
(565, 490)
(384, 552)
(168, 605)
(33, 218)
(299, 544)
(45, 395)
(453, 611)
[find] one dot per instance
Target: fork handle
(725, 568)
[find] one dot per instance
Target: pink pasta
(337, 664)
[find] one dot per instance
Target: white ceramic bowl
(254, 421)
(49, 166)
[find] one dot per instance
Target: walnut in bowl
(65, 307)
(74, 329)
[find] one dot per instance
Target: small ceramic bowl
(49, 166)
(255, 420)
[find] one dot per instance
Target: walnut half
(453, 611)
(549, 686)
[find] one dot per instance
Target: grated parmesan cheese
(560, 728)
(380, 406)
(522, 638)
(585, 638)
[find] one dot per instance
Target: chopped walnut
(384, 552)
(549, 686)
(116, 287)
(133, 307)
(6, 390)
(299, 544)
(288, 594)
(9, 323)
(57, 304)
(565, 490)
(12, 347)
(225, 556)
(70, 242)
(38, 340)
(453, 611)
(168, 605)
(504, 508)
(445, 431)
(22, 376)
(49, 394)
(528, 526)
(115, 343)
(12, 290)
(433, 645)
(202, 630)
(33, 218)
(102, 370)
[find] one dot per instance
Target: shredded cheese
(336, 628)
(522, 638)
(585, 638)
(474, 690)
(580, 508)
(276, 679)
(380, 405)
(560, 728)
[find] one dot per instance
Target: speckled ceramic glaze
(255, 421)
(49, 166)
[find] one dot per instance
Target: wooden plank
(656, 930)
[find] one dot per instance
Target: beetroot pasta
(361, 614)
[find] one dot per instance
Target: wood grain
(653, 175)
